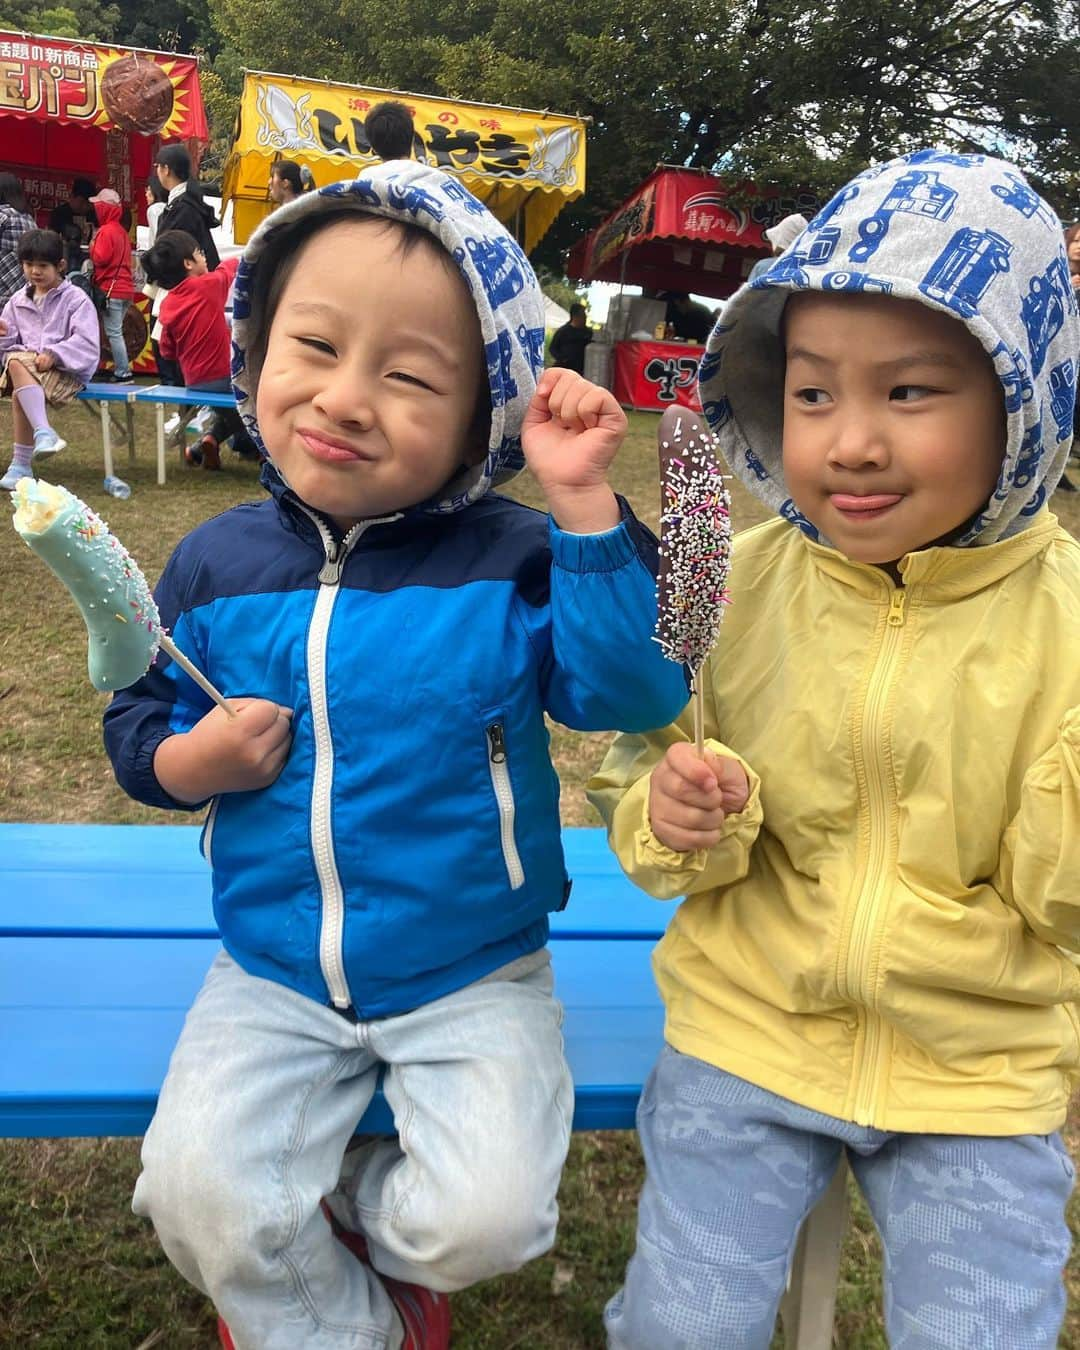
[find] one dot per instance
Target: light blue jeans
(113, 322)
(973, 1228)
(263, 1093)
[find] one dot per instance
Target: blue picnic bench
(104, 396)
(106, 932)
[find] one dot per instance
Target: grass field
(76, 1268)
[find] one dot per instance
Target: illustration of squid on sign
(283, 124)
(554, 156)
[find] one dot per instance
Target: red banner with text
(113, 88)
(656, 375)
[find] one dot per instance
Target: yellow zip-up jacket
(879, 934)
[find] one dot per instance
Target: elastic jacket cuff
(651, 852)
(604, 552)
(155, 794)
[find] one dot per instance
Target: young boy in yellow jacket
(881, 849)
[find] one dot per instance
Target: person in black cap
(74, 221)
(185, 209)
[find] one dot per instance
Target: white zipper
(208, 832)
(504, 795)
(331, 958)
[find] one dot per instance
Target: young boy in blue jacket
(384, 825)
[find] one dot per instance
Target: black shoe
(122, 379)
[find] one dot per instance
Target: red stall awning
(679, 232)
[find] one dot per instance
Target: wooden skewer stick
(196, 674)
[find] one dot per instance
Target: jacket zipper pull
(330, 572)
(496, 743)
(896, 608)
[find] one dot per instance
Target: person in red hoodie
(195, 334)
(110, 252)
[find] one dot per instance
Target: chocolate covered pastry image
(137, 94)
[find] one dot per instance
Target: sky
(599, 293)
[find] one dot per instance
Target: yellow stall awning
(525, 166)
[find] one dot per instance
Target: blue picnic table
(105, 395)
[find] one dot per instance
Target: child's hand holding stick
(691, 794)
(232, 749)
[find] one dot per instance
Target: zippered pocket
(206, 841)
(504, 797)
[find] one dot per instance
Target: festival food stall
(678, 232)
(525, 166)
(85, 109)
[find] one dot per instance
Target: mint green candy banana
(121, 618)
(111, 592)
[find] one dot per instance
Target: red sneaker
(424, 1314)
(223, 1335)
(204, 451)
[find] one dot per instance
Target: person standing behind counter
(687, 319)
(75, 221)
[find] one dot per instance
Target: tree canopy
(70, 19)
(791, 93)
(785, 92)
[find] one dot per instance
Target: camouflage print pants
(973, 1228)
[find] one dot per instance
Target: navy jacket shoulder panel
(494, 539)
(268, 548)
(250, 549)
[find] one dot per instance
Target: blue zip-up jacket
(411, 844)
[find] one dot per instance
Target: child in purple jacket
(49, 347)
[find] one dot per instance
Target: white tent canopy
(554, 314)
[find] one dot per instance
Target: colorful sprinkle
(695, 540)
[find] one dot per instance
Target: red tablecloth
(656, 374)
